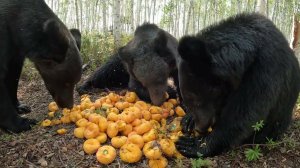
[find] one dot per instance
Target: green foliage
(101, 111)
(29, 71)
(179, 163)
(167, 17)
(200, 162)
(271, 144)
(290, 142)
(98, 47)
(297, 124)
(233, 154)
(253, 154)
(258, 125)
(6, 137)
(298, 101)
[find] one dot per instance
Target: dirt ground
(43, 147)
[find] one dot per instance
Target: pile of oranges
(125, 125)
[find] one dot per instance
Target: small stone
(81, 153)
(64, 149)
(13, 143)
(43, 162)
(50, 155)
(282, 150)
(24, 155)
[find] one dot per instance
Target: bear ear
(160, 44)
(160, 41)
(77, 35)
(56, 38)
(193, 50)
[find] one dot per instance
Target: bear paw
(191, 147)
(20, 124)
(188, 124)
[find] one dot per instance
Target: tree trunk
(132, 16)
(81, 15)
(117, 24)
(193, 20)
(205, 13)
(76, 12)
(296, 36)
(261, 7)
(239, 5)
(189, 16)
(145, 10)
(104, 8)
(138, 12)
(153, 14)
(199, 16)
(184, 18)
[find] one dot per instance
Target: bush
(98, 47)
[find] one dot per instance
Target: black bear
(233, 75)
(30, 29)
(144, 65)
(24, 109)
(111, 74)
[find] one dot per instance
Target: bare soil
(42, 147)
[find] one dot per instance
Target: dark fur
(232, 75)
(111, 74)
(149, 59)
(30, 29)
(77, 36)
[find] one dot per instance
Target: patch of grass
(233, 153)
(98, 47)
(6, 137)
(298, 100)
(179, 163)
(253, 154)
(289, 142)
(200, 162)
(297, 124)
(272, 144)
(29, 71)
(258, 125)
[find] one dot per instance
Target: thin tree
(138, 12)
(117, 24)
(76, 12)
(261, 7)
(131, 15)
(189, 16)
(296, 36)
(104, 24)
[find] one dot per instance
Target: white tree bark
(132, 16)
(138, 12)
(261, 7)
(117, 24)
(104, 24)
(189, 16)
(296, 37)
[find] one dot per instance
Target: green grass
(6, 137)
(97, 47)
